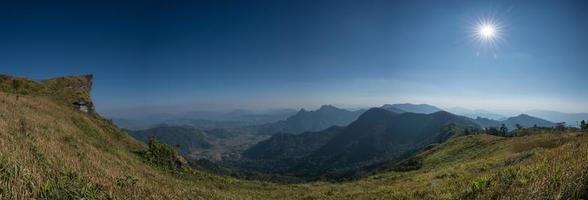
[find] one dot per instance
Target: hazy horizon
(155, 110)
(223, 55)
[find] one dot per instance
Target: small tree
(16, 85)
(163, 155)
(492, 131)
(503, 130)
(560, 126)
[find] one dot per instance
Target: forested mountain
(285, 145)
(378, 134)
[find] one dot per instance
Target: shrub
(162, 155)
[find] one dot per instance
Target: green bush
(162, 155)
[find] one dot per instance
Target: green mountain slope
(284, 145)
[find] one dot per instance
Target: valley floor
(50, 151)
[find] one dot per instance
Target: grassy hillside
(48, 150)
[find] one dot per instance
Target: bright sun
(487, 31)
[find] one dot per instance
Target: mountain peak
(375, 113)
(524, 115)
(324, 107)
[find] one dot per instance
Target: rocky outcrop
(73, 91)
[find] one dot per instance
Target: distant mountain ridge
(204, 119)
(475, 113)
(303, 121)
(413, 108)
(571, 119)
(523, 120)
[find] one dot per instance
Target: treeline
(503, 131)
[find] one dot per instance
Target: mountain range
(475, 113)
(204, 119)
(303, 121)
(378, 134)
(413, 108)
(571, 119)
(523, 120)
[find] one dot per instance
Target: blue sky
(290, 54)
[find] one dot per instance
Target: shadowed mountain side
(284, 145)
(380, 133)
